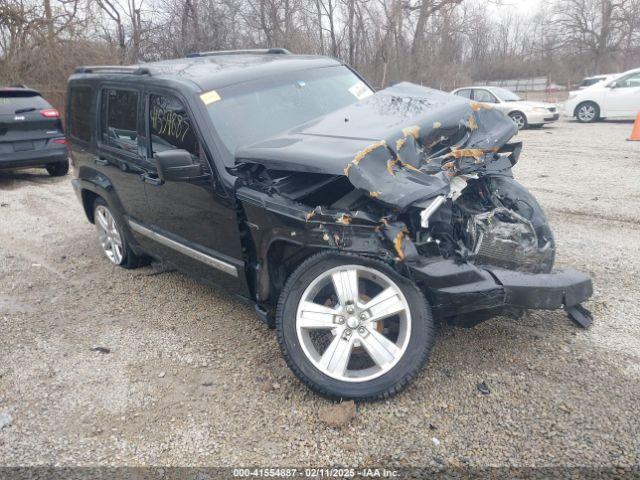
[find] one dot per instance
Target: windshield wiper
(25, 110)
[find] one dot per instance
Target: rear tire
(587, 112)
(112, 238)
(58, 169)
(348, 345)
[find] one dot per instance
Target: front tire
(58, 169)
(519, 119)
(352, 327)
(112, 238)
(587, 112)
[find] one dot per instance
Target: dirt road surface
(192, 377)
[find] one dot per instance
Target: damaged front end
(419, 179)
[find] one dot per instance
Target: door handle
(148, 178)
(101, 161)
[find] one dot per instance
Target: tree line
(440, 43)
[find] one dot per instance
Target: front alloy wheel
(587, 112)
(352, 327)
(519, 119)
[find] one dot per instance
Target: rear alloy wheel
(57, 169)
(519, 119)
(351, 327)
(587, 112)
(111, 237)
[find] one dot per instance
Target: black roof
(211, 70)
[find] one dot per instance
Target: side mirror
(175, 165)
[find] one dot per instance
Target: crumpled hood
(386, 143)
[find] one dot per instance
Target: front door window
(483, 96)
(171, 128)
(629, 81)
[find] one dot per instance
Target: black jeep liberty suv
(353, 219)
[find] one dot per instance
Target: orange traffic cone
(635, 133)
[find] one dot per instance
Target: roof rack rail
(123, 69)
(259, 51)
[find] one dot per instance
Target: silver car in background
(523, 112)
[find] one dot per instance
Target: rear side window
(80, 108)
(15, 101)
(120, 119)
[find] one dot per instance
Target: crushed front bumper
(458, 288)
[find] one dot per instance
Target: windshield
(506, 95)
(253, 111)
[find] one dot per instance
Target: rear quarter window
(80, 112)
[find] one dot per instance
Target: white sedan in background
(523, 112)
(618, 98)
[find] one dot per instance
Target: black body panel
(380, 147)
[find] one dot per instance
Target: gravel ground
(192, 377)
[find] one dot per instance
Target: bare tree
(592, 28)
(442, 43)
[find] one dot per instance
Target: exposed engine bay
(410, 175)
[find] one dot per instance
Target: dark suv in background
(31, 133)
(352, 218)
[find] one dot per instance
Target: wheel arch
(88, 200)
(94, 187)
(279, 261)
(283, 256)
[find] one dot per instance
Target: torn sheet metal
(393, 144)
(398, 235)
